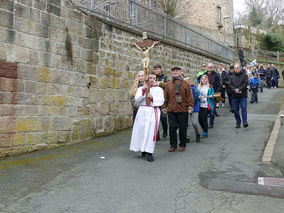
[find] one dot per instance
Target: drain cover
(269, 181)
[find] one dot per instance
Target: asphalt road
(219, 174)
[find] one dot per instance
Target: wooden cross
(145, 46)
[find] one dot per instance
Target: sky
(238, 6)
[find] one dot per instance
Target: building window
(107, 8)
(153, 4)
(219, 14)
(131, 8)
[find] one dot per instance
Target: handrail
(130, 13)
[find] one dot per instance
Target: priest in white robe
(145, 128)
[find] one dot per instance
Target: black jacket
(215, 81)
(261, 73)
(226, 81)
(268, 73)
(239, 81)
(275, 72)
(164, 79)
(222, 76)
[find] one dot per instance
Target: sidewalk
(278, 154)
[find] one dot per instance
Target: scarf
(177, 82)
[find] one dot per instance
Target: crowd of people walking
(179, 103)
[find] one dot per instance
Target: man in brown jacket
(178, 103)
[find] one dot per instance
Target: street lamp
(225, 17)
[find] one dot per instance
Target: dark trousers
(223, 94)
(202, 118)
(237, 103)
(230, 99)
(178, 120)
(275, 82)
(164, 121)
(261, 85)
(212, 112)
(254, 97)
(268, 83)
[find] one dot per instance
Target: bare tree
(265, 12)
(170, 7)
(259, 5)
(275, 12)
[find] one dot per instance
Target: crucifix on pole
(145, 46)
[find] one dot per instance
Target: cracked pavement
(219, 174)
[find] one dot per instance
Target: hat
(232, 67)
(176, 68)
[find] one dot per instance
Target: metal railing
(131, 14)
(260, 54)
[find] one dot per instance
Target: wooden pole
(146, 76)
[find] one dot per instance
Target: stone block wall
(45, 101)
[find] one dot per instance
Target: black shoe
(143, 154)
(188, 140)
(165, 134)
(238, 125)
(198, 138)
(217, 115)
(210, 126)
(232, 111)
(251, 102)
(246, 125)
(149, 157)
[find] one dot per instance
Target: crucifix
(145, 46)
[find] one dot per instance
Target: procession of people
(183, 101)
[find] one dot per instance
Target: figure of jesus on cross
(145, 47)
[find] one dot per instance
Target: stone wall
(45, 101)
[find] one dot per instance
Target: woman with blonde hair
(206, 96)
(138, 82)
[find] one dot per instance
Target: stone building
(210, 17)
(247, 37)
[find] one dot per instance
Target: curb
(268, 151)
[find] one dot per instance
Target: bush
(272, 41)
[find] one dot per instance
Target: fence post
(136, 14)
(253, 53)
(165, 26)
(185, 35)
(277, 54)
(92, 5)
